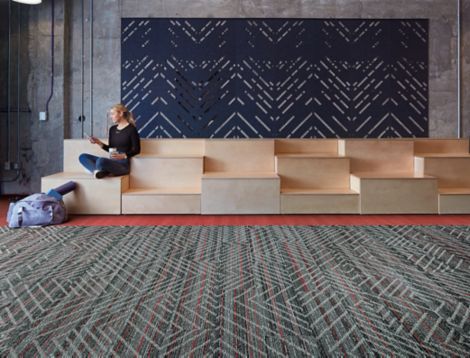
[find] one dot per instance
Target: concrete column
(46, 137)
(466, 68)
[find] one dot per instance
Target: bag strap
(20, 216)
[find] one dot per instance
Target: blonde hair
(126, 114)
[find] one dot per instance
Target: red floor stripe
(144, 220)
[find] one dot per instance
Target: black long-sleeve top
(126, 140)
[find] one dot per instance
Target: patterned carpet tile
(258, 291)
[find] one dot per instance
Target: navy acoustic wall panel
(276, 78)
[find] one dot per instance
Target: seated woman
(123, 143)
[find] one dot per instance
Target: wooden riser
(397, 195)
(318, 173)
(155, 172)
(299, 146)
(240, 196)
(173, 147)
(239, 176)
(92, 196)
(72, 150)
(451, 172)
(454, 203)
(427, 145)
(161, 204)
(239, 155)
(378, 155)
(320, 204)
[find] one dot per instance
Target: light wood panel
(320, 203)
(429, 145)
(152, 203)
(341, 191)
(304, 172)
(72, 150)
(240, 196)
(454, 203)
(166, 172)
(163, 191)
(396, 195)
(299, 146)
(239, 177)
(239, 155)
(92, 196)
(355, 183)
(451, 171)
(378, 155)
(173, 147)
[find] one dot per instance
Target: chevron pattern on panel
(266, 291)
(276, 78)
(275, 31)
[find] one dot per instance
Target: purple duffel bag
(36, 210)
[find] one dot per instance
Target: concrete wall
(465, 55)
(15, 144)
(102, 86)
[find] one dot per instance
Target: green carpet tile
(257, 291)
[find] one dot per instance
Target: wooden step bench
(395, 193)
(240, 193)
(319, 201)
(306, 146)
(92, 196)
(440, 145)
(454, 201)
(316, 183)
(451, 169)
(272, 176)
(313, 170)
(172, 146)
(166, 178)
(378, 155)
(150, 171)
(161, 201)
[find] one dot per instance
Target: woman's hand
(94, 140)
(118, 156)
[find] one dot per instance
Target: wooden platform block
(324, 201)
(72, 150)
(240, 193)
(395, 193)
(306, 146)
(172, 147)
(451, 170)
(310, 171)
(239, 155)
(238, 176)
(92, 196)
(378, 155)
(454, 201)
(162, 171)
(431, 145)
(161, 201)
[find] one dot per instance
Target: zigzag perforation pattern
(276, 78)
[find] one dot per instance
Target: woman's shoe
(99, 174)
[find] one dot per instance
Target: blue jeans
(111, 166)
